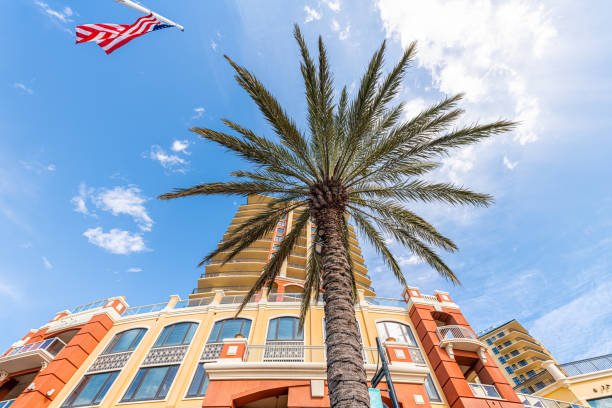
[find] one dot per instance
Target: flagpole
(145, 10)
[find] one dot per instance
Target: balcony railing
(51, 346)
(7, 403)
(531, 401)
(284, 352)
(130, 311)
(234, 299)
(181, 304)
(455, 332)
(381, 301)
(285, 297)
(589, 365)
(229, 273)
(88, 306)
(208, 289)
(484, 390)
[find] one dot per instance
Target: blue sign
(375, 398)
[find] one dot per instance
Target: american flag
(112, 36)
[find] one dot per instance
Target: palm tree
(359, 159)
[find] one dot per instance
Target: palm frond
(241, 188)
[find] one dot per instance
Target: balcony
(531, 401)
(33, 355)
(460, 338)
(484, 391)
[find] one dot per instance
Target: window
(500, 335)
(522, 377)
(151, 383)
(495, 351)
(125, 341)
(502, 360)
(401, 332)
(507, 357)
(199, 384)
(514, 366)
(516, 380)
(229, 328)
(91, 390)
(278, 238)
(522, 363)
(509, 370)
(282, 223)
(524, 391)
(489, 342)
(540, 385)
(313, 229)
(514, 353)
(530, 373)
(432, 392)
(280, 230)
(506, 344)
(275, 246)
(176, 334)
(284, 328)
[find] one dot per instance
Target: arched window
(125, 341)
(284, 328)
(229, 328)
(176, 334)
(399, 331)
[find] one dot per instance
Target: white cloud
(213, 45)
(486, 53)
(413, 107)
(168, 161)
(344, 34)
(180, 146)
(80, 201)
(510, 165)
(116, 241)
(48, 265)
(333, 5)
(125, 200)
(411, 260)
(574, 325)
(335, 25)
(134, 270)
(23, 87)
(37, 166)
(199, 111)
(63, 15)
(311, 14)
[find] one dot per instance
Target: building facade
(196, 352)
(519, 355)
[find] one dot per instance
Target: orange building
(195, 352)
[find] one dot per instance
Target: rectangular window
(489, 342)
(91, 390)
(531, 373)
(540, 385)
(199, 384)
(514, 366)
(516, 380)
(495, 351)
(506, 344)
(280, 230)
(278, 238)
(151, 383)
(509, 370)
(282, 223)
(522, 363)
(276, 247)
(514, 353)
(432, 392)
(502, 360)
(500, 335)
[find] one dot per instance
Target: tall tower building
(520, 356)
(237, 276)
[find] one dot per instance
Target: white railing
(455, 332)
(7, 403)
(181, 304)
(285, 297)
(144, 309)
(87, 306)
(233, 299)
(430, 297)
(51, 346)
(484, 390)
(531, 401)
(284, 352)
(381, 301)
(589, 365)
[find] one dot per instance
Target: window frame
(117, 337)
(193, 375)
(224, 319)
(295, 328)
(71, 396)
(433, 384)
(411, 335)
(159, 387)
(192, 324)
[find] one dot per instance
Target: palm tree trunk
(346, 377)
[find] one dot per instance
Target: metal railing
(589, 365)
(430, 297)
(531, 401)
(285, 297)
(89, 306)
(237, 260)
(51, 346)
(208, 289)
(455, 332)
(381, 301)
(7, 403)
(130, 311)
(229, 273)
(284, 352)
(484, 390)
(181, 304)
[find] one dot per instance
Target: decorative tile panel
(108, 362)
(284, 351)
(165, 355)
(212, 351)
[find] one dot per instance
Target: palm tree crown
(359, 159)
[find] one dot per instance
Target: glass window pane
(190, 333)
(214, 335)
(91, 387)
(246, 328)
(199, 384)
(151, 383)
(130, 392)
(163, 391)
(162, 336)
(285, 328)
(125, 340)
(107, 385)
(272, 329)
(177, 334)
(432, 393)
(231, 328)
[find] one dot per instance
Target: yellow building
(195, 352)
(519, 355)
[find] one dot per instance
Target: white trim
(566, 382)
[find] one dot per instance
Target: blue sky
(89, 140)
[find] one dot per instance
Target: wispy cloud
(80, 201)
(48, 265)
(168, 161)
(116, 241)
(38, 167)
(213, 45)
(333, 5)
(342, 34)
(134, 270)
(199, 111)
(510, 165)
(23, 87)
(311, 14)
(181, 146)
(59, 15)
